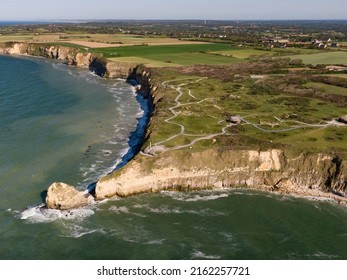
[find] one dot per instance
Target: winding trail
(160, 147)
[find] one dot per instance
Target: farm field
(242, 53)
(96, 40)
(325, 57)
(17, 38)
(187, 54)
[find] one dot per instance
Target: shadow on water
(43, 196)
(135, 139)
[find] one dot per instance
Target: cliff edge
(317, 176)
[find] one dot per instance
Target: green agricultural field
(15, 38)
(148, 51)
(245, 53)
(325, 57)
(171, 54)
(242, 53)
(144, 61)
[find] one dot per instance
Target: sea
(60, 123)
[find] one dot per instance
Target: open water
(59, 123)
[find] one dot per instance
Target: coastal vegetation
(273, 93)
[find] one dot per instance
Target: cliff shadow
(136, 137)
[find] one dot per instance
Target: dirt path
(160, 146)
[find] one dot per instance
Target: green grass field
(242, 53)
(213, 54)
(148, 51)
(274, 119)
(328, 88)
(326, 57)
(15, 38)
(171, 54)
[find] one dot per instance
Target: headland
(239, 119)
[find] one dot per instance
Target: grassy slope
(223, 99)
(336, 57)
(328, 88)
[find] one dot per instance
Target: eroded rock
(63, 196)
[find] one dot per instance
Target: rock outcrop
(96, 63)
(73, 57)
(119, 69)
(62, 196)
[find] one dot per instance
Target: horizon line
(171, 19)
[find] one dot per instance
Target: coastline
(207, 170)
(133, 176)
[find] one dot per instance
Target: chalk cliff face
(54, 52)
(119, 69)
(71, 55)
(272, 170)
(95, 63)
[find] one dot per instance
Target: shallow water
(59, 123)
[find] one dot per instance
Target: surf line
(143, 89)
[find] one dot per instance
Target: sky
(172, 9)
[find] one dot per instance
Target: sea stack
(62, 196)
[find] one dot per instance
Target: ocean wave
(77, 231)
(44, 215)
(166, 210)
(201, 196)
(155, 242)
(124, 210)
(196, 254)
(61, 67)
(118, 210)
(226, 235)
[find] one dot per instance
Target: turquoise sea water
(59, 123)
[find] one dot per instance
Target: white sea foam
(321, 255)
(124, 210)
(226, 235)
(155, 242)
(118, 210)
(76, 231)
(43, 215)
(140, 114)
(201, 255)
(202, 196)
(166, 210)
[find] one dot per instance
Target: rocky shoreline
(318, 177)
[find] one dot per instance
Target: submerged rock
(62, 196)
